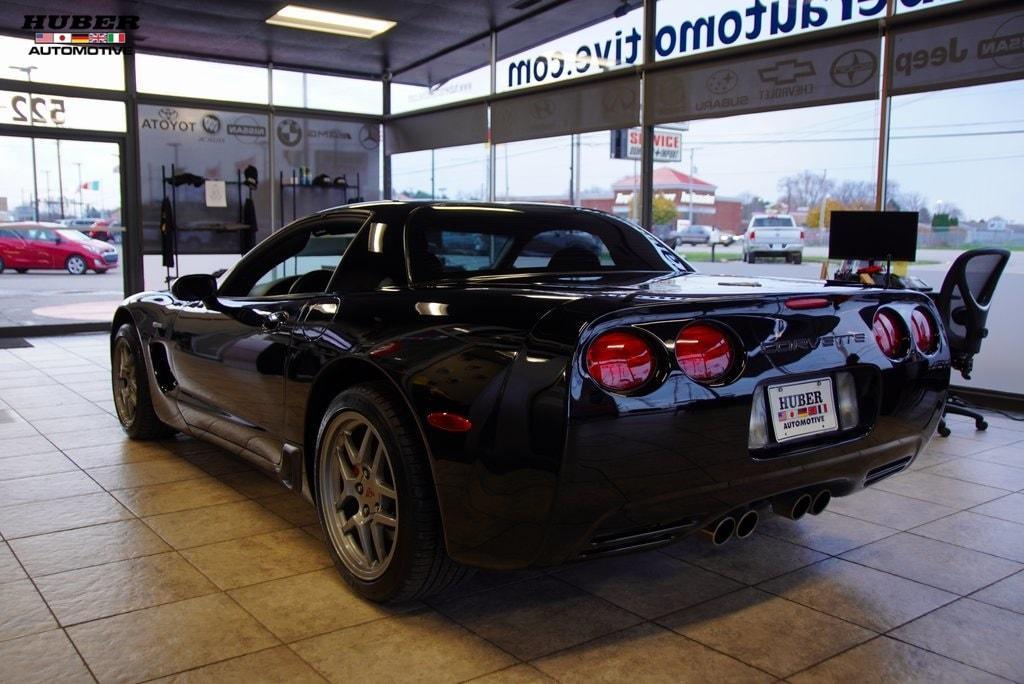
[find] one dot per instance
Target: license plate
(799, 409)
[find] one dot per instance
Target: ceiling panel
(236, 30)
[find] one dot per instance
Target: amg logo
(80, 22)
(805, 343)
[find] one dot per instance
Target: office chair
(963, 304)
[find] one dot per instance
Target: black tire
(21, 270)
(420, 565)
(1, 264)
(76, 265)
(142, 422)
(798, 258)
(751, 259)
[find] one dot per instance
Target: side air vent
(884, 471)
(161, 367)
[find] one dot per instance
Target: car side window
(40, 235)
(301, 262)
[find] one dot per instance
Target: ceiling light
(309, 19)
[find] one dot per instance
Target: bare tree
(804, 189)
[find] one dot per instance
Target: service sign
(628, 144)
(842, 72)
(58, 111)
(959, 53)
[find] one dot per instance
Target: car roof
(28, 225)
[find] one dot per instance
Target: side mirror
(56, 239)
(195, 287)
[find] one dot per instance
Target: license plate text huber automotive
(799, 409)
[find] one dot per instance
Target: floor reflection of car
(97, 229)
(48, 246)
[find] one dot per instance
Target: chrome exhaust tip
(747, 523)
(720, 531)
(821, 502)
(792, 506)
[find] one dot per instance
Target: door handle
(275, 320)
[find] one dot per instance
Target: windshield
(463, 242)
(786, 221)
(74, 235)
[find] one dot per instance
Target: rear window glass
(456, 242)
(769, 221)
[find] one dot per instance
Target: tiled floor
(125, 562)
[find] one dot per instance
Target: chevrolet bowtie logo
(786, 71)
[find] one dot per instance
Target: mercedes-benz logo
(722, 81)
(289, 132)
(369, 136)
(853, 68)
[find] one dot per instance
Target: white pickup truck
(773, 235)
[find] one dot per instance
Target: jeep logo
(806, 343)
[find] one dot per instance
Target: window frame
(267, 247)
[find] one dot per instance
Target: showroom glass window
(447, 173)
(332, 93)
(462, 74)
(105, 71)
(788, 162)
(956, 155)
(201, 79)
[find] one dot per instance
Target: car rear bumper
(643, 480)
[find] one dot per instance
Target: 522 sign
(41, 110)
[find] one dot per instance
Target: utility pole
(81, 204)
(35, 180)
(60, 181)
(691, 185)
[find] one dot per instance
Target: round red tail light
(926, 335)
(890, 334)
(620, 360)
(704, 352)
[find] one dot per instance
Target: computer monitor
(873, 235)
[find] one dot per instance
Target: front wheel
(375, 499)
(75, 265)
(2, 264)
(130, 382)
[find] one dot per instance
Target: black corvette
(508, 386)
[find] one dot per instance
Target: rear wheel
(376, 501)
(75, 265)
(131, 388)
(798, 258)
(21, 270)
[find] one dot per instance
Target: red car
(25, 246)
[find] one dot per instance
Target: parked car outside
(770, 235)
(697, 234)
(97, 229)
(49, 246)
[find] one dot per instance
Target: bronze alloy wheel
(358, 495)
(126, 382)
